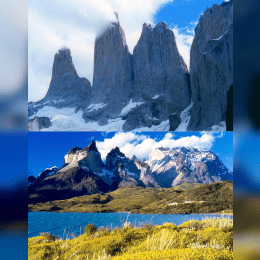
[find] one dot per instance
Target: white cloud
(75, 24)
(184, 38)
(141, 145)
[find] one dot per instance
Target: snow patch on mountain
(94, 107)
(64, 119)
(185, 119)
(129, 107)
(156, 96)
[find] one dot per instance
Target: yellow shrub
(180, 254)
(208, 239)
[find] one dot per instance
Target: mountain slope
(182, 199)
(67, 184)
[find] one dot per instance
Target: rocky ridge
(150, 90)
(211, 68)
(129, 91)
(84, 172)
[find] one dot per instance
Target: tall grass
(211, 237)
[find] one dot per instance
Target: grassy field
(183, 199)
(207, 239)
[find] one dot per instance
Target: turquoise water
(65, 225)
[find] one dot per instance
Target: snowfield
(65, 119)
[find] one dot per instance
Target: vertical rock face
(65, 82)
(66, 89)
(113, 76)
(211, 66)
(161, 78)
(114, 158)
(88, 158)
(113, 66)
(158, 66)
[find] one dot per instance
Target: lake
(65, 225)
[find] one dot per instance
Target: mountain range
(84, 172)
(151, 89)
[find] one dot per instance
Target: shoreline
(135, 213)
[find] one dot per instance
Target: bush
(48, 236)
(210, 239)
(101, 232)
(90, 229)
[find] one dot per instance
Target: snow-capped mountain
(85, 173)
(172, 167)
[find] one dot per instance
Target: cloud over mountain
(141, 145)
(76, 24)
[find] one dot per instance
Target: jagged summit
(66, 88)
(161, 79)
(158, 25)
(74, 150)
(133, 157)
(149, 26)
(113, 69)
(63, 49)
(83, 171)
(113, 76)
(116, 24)
(150, 90)
(116, 151)
(113, 158)
(161, 25)
(91, 147)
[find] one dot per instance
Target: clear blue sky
(47, 149)
(184, 12)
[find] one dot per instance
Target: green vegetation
(183, 199)
(90, 229)
(207, 239)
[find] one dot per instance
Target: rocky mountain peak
(148, 26)
(91, 147)
(166, 167)
(133, 157)
(88, 158)
(114, 158)
(66, 88)
(161, 78)
(64, 50)
(117, 24)
(113, 68)
(74, 150)
(162, 25)
(177, 165)
(63, 65)
(115, 152)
